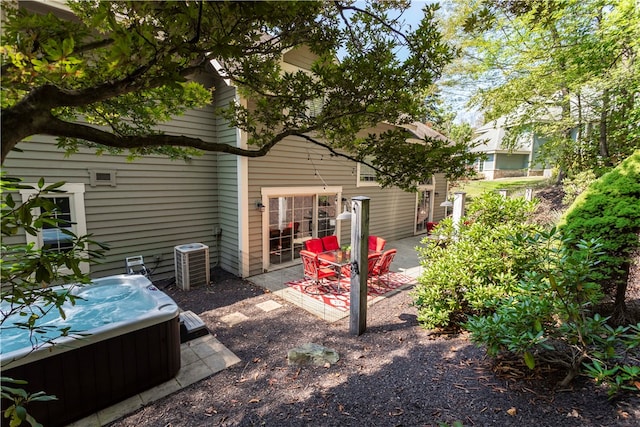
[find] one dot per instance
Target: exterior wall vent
(102, 177)
(191, 265)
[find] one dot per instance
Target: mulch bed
(395, 374)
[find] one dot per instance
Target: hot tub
(127, 340)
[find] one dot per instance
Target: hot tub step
(191, 326)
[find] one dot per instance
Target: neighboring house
(503, 162)
(253, 213)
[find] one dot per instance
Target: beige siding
(297, 163)
(157, 203)
(298, 58)
(228, 188)
(441, 187)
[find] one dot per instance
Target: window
(70, 210)
(366, 176)
(52, 237)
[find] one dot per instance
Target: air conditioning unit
(192, 265)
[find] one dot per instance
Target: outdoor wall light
(260, 206)
(345, 213)
(446, 205)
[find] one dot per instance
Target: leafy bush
(574, 186)
(17, 412)
(479, 264)
(548, 318)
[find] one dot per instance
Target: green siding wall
(157, 203)
(227, 178)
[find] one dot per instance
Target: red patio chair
(314, 245)
(330, 243)
(372, 260)
(313, 270)
(383, 265)
(376, 243)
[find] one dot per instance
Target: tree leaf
(529, 360)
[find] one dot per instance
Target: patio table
(337, 259)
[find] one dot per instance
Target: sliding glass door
(293, 219)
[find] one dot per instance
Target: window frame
(360, 182)
(430, 187)
(75, 193)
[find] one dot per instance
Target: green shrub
(575, 185)
(26, 273)
(609, 210)
(548, 317)
(479, 264)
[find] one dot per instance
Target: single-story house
(252, 214)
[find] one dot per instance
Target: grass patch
(514, 186)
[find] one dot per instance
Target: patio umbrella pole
(359, 265)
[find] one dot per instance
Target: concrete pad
(268, 306)
(112, 413)
(194, 373)
(187, 356)
(234, 318)
(160, 391)
(90, 421)
(215, 362)
(229, 357)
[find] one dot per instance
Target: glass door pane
(295, 219)
(423, 211)
(280, 229)
(326, 225)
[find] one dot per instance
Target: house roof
(422, 131)
(490, 137)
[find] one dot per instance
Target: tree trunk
(602, 141)
(620, 315)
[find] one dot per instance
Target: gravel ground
(395, 374)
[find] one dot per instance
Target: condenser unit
(192, 265)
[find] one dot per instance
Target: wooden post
(359, 265)
(528, 194)
(458, 209)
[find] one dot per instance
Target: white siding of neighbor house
(227, 179)
(156, 204)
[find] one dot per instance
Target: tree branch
(49, 96)
(56, 127)
(375, 17)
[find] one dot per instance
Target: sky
(456, 98)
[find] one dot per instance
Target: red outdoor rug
(329, 293)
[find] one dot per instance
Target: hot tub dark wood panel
(100, 374)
